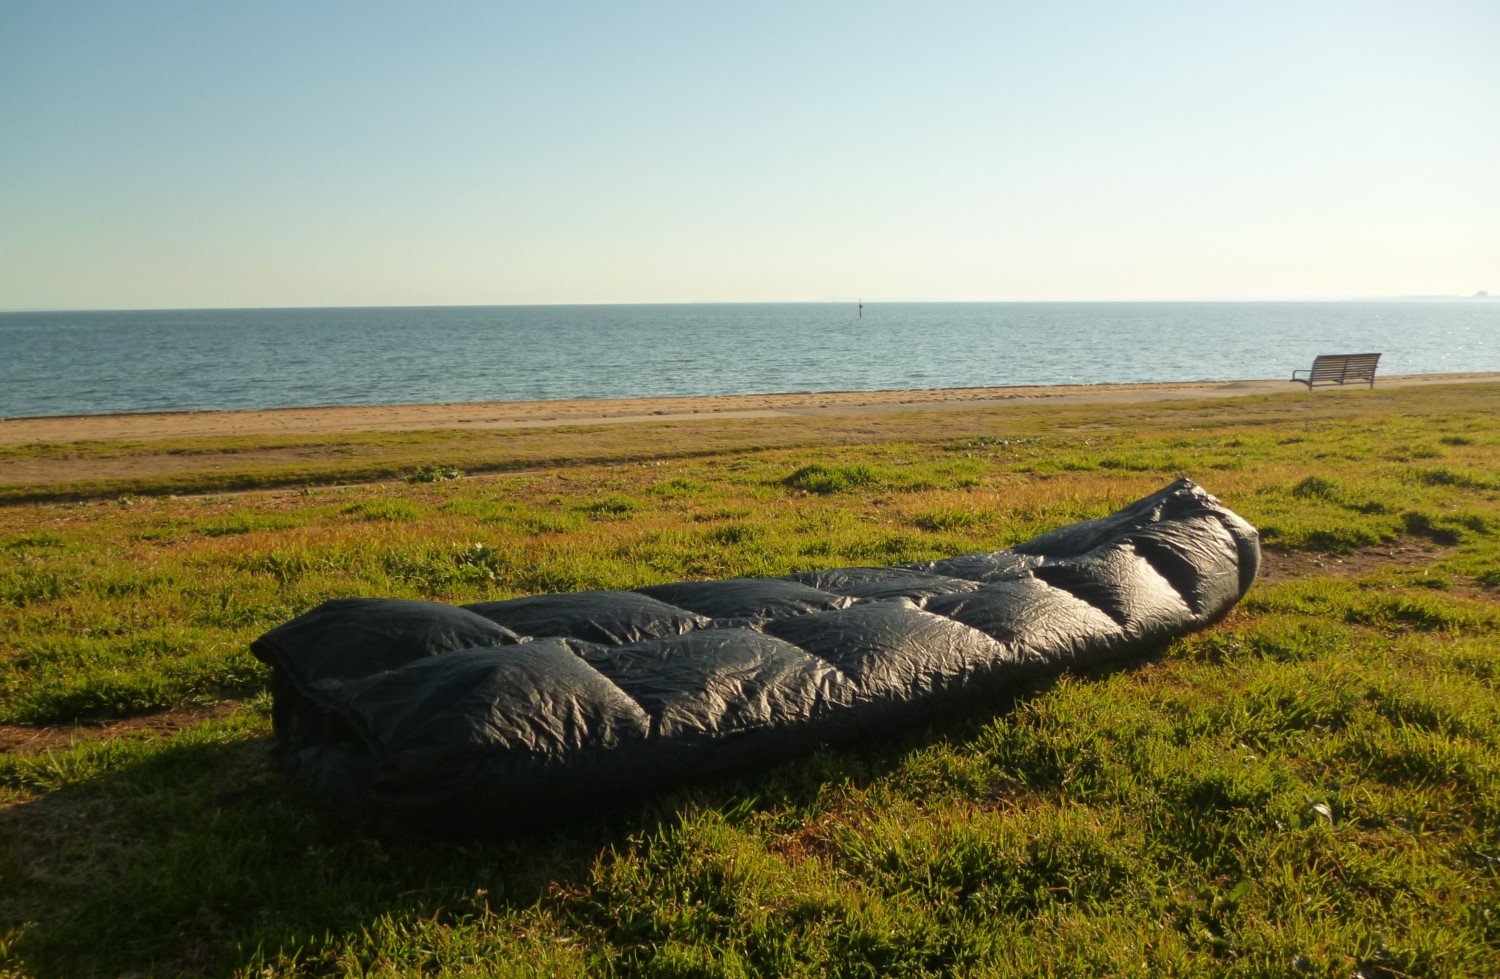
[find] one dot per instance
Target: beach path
(543, 414)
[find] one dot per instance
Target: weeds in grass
(434, 474)
(823, 479)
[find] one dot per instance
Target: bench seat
(1339, 369)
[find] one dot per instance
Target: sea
(56, 363)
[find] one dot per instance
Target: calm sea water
(66, 363)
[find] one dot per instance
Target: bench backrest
(1344, 367)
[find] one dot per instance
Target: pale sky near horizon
(158, 155)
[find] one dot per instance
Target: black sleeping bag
(457, 720)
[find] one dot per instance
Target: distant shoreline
(544, 414)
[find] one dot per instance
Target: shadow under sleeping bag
(457, 720)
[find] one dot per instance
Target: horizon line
(1482, 295)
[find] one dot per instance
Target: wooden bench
(1339, 369)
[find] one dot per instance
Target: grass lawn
(1310, 787)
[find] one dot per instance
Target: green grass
(1310, 787)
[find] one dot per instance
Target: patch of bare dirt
(1404, 552)
(1407, 553)
(807, 843)
(22, 739)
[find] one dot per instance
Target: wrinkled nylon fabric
(462, 720)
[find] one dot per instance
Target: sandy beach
(541, 414)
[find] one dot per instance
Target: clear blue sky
(315, 153)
